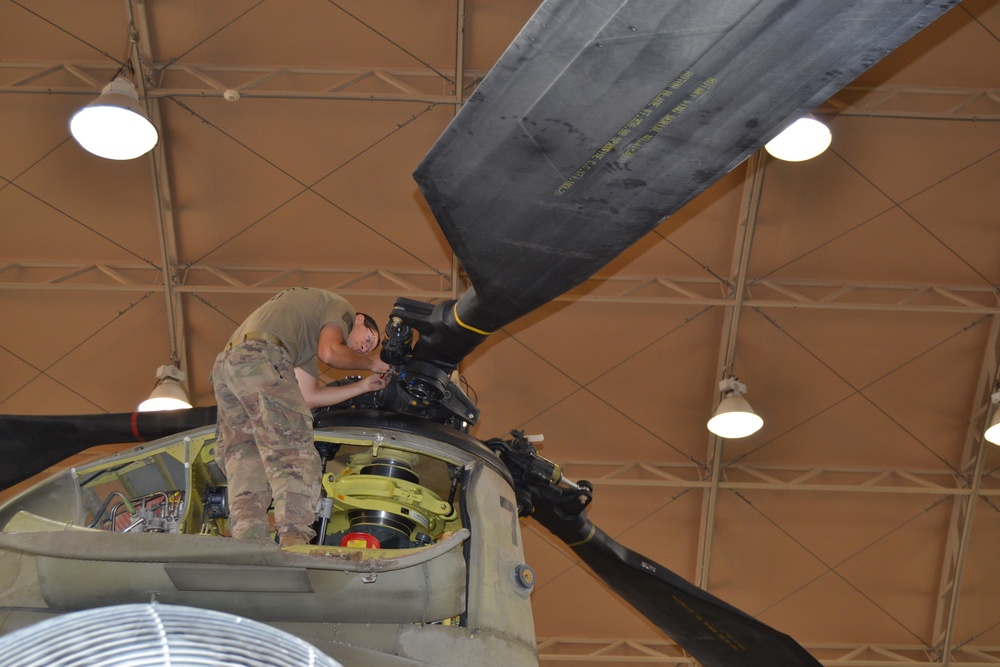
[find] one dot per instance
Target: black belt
(256, 335)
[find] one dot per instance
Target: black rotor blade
(30, 444)
(714, 632)
(602, 118)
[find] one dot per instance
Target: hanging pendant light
(734, 418)
(115, 126)
(802, 140)
(168, 394)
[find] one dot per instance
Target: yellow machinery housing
(377, 501)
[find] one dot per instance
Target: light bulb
(802, 140)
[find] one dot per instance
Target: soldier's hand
(376, 381)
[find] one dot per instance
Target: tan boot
(292, 541)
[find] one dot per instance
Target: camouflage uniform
(265, 445)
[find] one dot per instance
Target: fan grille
(137, 635)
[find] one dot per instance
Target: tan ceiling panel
(490, 27)
(610, 435)
(307, 140)
(965, 225)
(822, 200)
(880, 149)
(36, 30)
(679, 362)
(939, 54)
(40, 132)
(890, 247)
(345, 33)
(851, 434)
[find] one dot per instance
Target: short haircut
(373, 327)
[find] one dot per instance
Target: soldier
(266, 383)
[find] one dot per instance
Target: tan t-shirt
(296, 316)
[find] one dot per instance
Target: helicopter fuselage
(442, 582)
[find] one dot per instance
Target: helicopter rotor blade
(33, 443)
(603, 118)
(713, 631)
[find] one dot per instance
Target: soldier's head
(364, 336)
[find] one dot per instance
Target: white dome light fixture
(802, 140)
(992, 433)
(115, 126)
(168, 394)
(734, 418)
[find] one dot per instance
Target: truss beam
(162, 193)
(625, 289)
(215, 279)
(738, 477)
(915, 102)
(963, 509)
(391, 84)
(753, 186)
(264, 82)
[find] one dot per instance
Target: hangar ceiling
(856, 295)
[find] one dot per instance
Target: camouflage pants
(265, 446)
